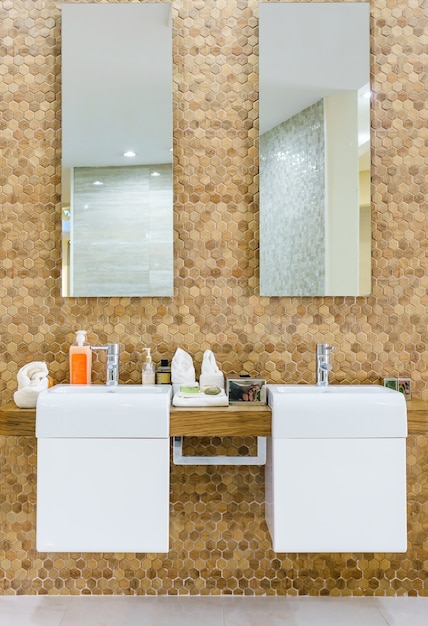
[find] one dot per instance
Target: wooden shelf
(198, 422)
(233, 420)
(417, 417)
(18, 422)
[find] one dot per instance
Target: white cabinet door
(103, 495)
(337, 495)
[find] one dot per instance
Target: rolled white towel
(182, 368)
(32, 379)
(210, 373)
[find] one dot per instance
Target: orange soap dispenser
(80, 360)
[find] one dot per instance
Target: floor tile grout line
(380, 610)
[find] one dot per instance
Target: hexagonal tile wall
(219, 539)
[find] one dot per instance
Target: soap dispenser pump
(148, 374)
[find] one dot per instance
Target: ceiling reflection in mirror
(117, 198)
(315, 223)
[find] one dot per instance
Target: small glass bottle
(163, 373)
(148, 373)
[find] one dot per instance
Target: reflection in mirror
(117, 202)
(315, 223)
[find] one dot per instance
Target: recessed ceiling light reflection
(155, 174)
(129, 154)
(97, 182)
(365, 91)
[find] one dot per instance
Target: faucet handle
(323, 349)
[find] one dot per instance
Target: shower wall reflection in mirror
(117, 199)
(315, 223)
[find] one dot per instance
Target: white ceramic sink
(336, 411)
(104, 411)
(103, 468)
(336, 469)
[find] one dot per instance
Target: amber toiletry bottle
(163, 373)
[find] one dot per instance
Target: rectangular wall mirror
(315, 220)
(117, 198)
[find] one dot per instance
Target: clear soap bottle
(148, 374)
(80, 357)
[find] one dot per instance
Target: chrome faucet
(323, 365)
(112, 364)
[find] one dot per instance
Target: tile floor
(203, 611)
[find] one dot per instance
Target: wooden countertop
(17, 422)
(233, 420)
(197, 422)
(417, 417)
(221, 421)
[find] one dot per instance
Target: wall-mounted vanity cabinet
(336, 469)
(103, 468)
